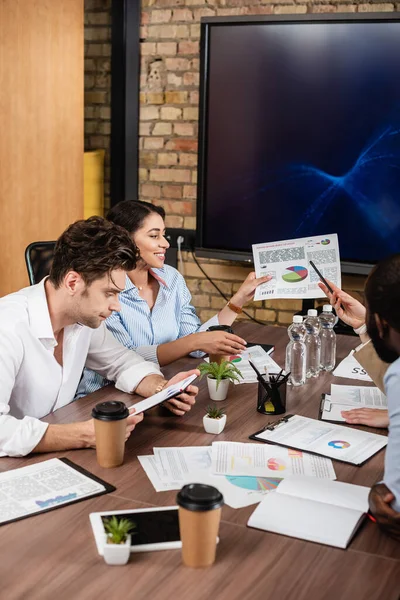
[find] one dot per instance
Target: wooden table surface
(54, 555)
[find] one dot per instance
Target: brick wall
(98, 82)
(170, 33)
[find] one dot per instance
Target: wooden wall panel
(41, 134)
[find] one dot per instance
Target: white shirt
(33, 384)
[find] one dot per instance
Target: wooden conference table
(54, 555)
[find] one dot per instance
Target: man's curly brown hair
(93, 248)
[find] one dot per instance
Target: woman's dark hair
(92, 248)
(130, 214)
(382, 291)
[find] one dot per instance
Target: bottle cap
(199, 497)
(297, 319)
(327, 308)
(312, 312)
(110, 411)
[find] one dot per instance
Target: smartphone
(166, 394)
(154, 528)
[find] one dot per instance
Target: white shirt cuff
(130, 378)
(25, 437)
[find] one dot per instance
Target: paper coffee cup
(110, 428)
(200, 508)
(219, 358)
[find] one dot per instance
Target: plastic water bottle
(328, 338)
(313, 343)
(296, 352)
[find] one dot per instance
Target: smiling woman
(157, 319)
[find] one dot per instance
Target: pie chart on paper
(295, 274)
(276, 464)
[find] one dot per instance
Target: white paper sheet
(358, 396)
(238, 491)
(35, 488)
(351, 369)
(152, 468)
(263, 362)
(344, 443)
(234, 458)
(288, 263)
(176, 464)
(171, 468)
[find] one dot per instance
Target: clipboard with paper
(326, 439)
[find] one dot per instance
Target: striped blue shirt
(141, 329)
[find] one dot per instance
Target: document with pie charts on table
(235, 458)
(288, 261)
(327, 439)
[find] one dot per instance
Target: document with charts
(288, 262)
(347, 397)
(235, 458)
(327, 439)
(46, 485)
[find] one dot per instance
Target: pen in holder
(271, 397)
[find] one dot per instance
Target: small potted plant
(117, 545)
(214, 420)
(218, 377)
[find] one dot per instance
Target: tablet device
(166, 394)
(155, 528)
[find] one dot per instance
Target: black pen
(322, 278)
(324, 281)
(260, 378)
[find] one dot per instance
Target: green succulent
(117, 530)
(220, 371)
(214, 412)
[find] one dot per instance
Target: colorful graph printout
(339, 445)
(295, 274)
(276, 464)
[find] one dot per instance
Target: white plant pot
(214, 425)
(117, 554)
(220, 393)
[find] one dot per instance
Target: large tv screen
(300, 134)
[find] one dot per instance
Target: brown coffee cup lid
(110, 411)
(199, 497)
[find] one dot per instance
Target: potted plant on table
(215, 419)
(118, 540)
(219, 375)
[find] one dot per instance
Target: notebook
(327, 439)
(323, 511)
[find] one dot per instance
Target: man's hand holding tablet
(178, 394)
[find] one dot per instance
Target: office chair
(38, 258)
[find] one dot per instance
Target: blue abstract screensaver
(303, 136)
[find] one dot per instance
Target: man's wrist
(160, 386)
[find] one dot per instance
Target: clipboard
(107, 489)
(272, 426)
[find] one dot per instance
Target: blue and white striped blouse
(141, 329)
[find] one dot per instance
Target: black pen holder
(271, 397)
